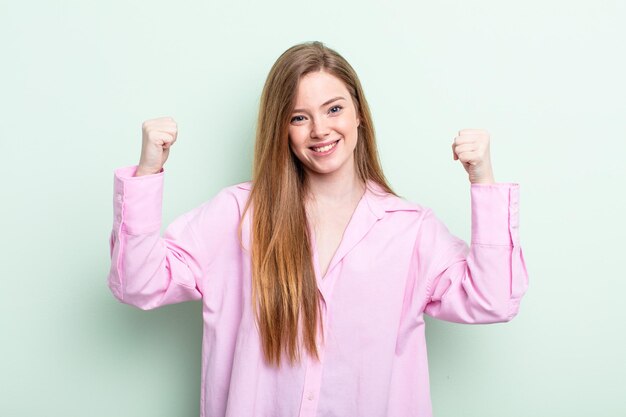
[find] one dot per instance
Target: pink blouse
(396, 262)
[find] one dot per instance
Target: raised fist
(158, 135)
(471, 147)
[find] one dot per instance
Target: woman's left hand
(471, 147)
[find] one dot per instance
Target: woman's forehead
(315, 88)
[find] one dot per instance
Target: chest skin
(329, 224)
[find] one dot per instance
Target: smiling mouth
(325, 148)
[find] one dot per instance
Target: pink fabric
(396, 262)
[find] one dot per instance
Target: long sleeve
(149, 270)
(482, 283)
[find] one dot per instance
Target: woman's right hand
(158, 135)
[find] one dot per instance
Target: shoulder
(240, 191)
(228, 202)
(383, 203)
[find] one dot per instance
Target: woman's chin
(328, 169)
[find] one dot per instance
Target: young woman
(314, 276)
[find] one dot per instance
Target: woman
(314, 276)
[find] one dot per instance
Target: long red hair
(284, 288)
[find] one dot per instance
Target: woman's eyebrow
(325, 103)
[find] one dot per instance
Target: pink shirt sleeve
(482, 283)
(149, 270)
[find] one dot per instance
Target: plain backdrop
(77, 78)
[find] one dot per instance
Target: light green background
(77, 78)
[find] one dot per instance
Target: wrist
(482, 176)
(482, 182)
(141, 171)
(487, 180)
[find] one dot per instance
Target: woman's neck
(335, 189)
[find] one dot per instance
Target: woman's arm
(482, 283)
(147, 270)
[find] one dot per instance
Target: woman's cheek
(348, 123)
(297, 136)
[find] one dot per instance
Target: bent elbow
(507, 312)
(136, 300)
(493, 312)
(513, 309)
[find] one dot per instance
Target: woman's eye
(296, 119)
(335, 107)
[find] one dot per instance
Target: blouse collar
(378, 200)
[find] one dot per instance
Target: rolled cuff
(495, 214)
(137, 201)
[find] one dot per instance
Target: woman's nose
(320, 128)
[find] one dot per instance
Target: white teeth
(325, 148)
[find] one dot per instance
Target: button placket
(514, 216)
(516, 266)
(118, 202)
(313, 380)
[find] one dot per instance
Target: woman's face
(323, 126)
